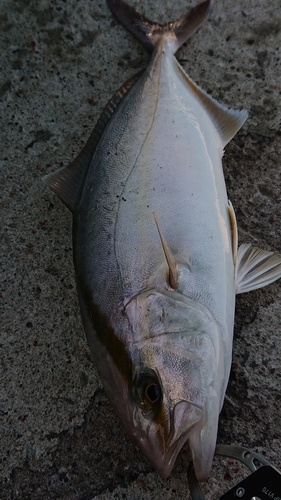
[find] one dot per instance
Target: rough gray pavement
(61, 60)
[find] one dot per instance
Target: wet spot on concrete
(88, 38)
(268, 28)
(54, 35)
(5, 87)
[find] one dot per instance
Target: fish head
(176, 389)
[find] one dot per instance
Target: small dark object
(264, 483)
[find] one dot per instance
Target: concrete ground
(61, 60)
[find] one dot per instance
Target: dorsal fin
(68, 182)
(173, 268)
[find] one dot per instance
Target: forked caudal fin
(148, 33)
(226, 121)
(256, 268)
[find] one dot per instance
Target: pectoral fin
(256, 268)
(173, 268)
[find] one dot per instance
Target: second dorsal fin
(173, 268)
(68, 182)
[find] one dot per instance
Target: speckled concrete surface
(61, 61)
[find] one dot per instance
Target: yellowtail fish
(155, 249)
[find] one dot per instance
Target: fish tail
(149, 33)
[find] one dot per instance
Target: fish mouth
(162, 453)
(165, 469)
(163, 461)
(202, 444)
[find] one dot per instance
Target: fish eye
(152, 392)
(147, 391)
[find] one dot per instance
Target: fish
(156, 251)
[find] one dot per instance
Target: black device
(263, 484)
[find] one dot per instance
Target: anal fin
(226, 121)
(256, 268)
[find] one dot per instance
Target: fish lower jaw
(162, 460)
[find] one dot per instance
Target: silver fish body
(161, 154)
(152, 204)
